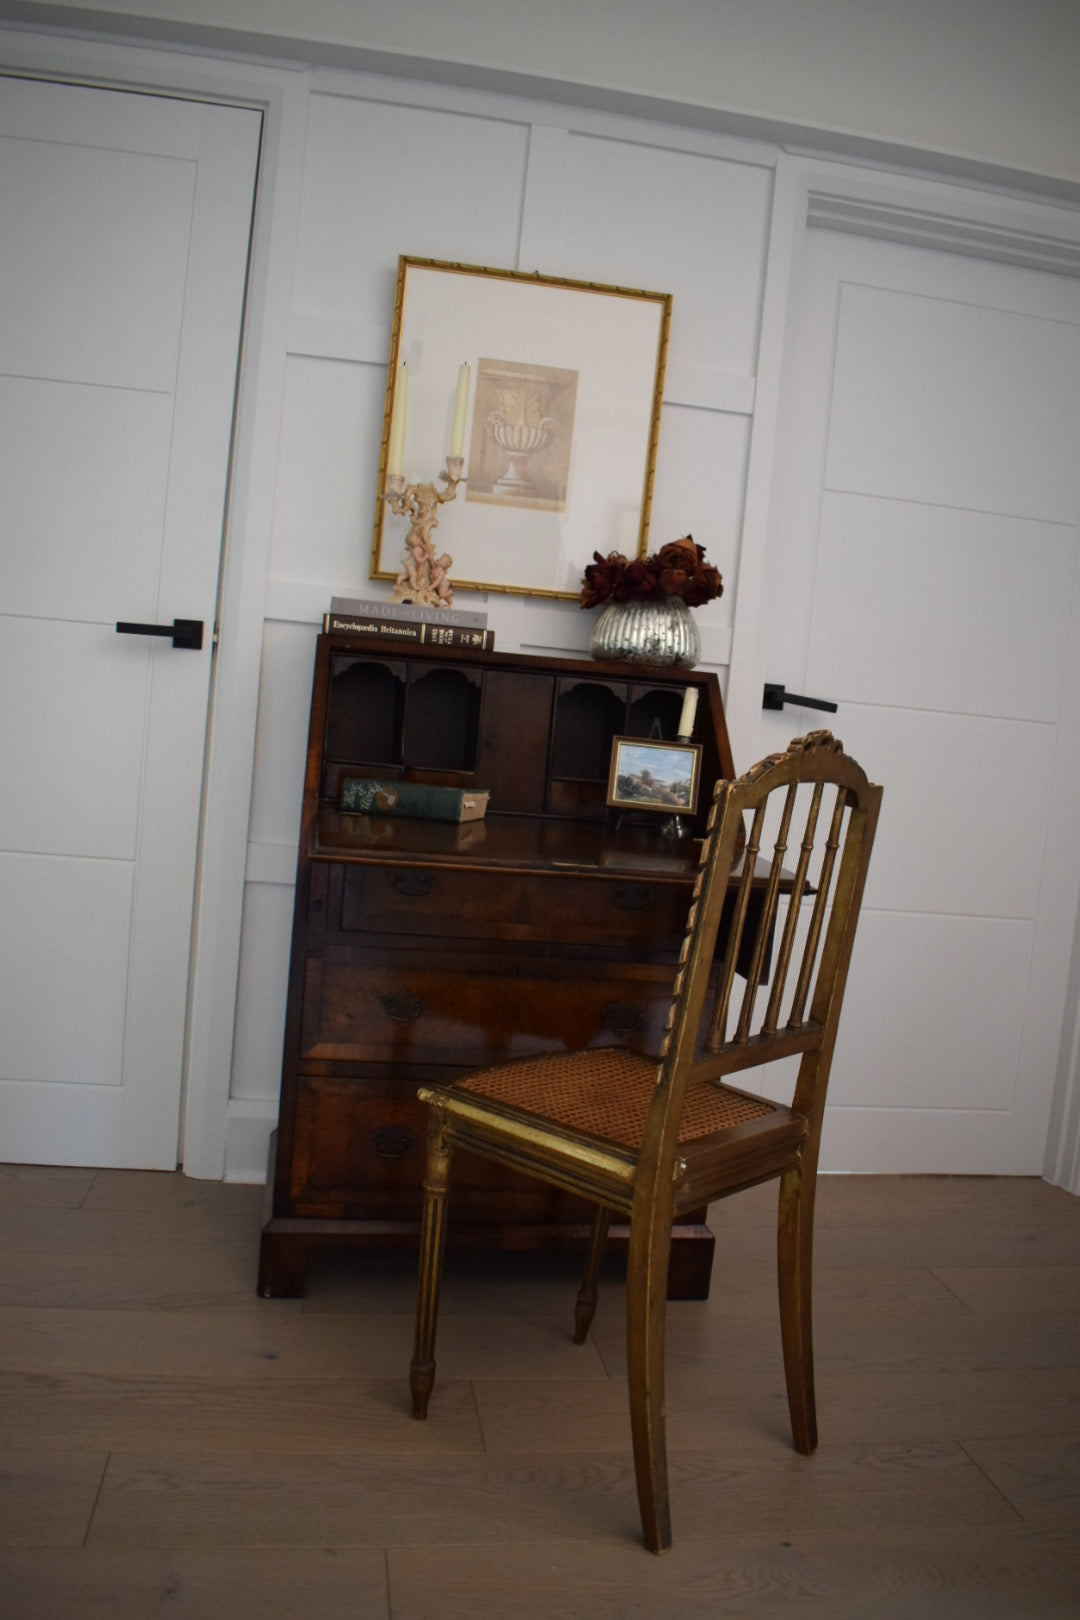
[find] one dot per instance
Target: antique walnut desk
(423, 949)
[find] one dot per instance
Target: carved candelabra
(425, 576)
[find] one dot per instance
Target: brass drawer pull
(392, 1141)
(412, 884)
(402, 1006)
(633, 899)
(621, 1017)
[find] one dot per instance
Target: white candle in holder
(461, 407)
(395, 456)
(689, 710)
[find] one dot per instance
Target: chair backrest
(776, 903)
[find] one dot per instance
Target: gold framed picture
(550, 389)
(654, 776)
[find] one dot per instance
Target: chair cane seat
(606, 1093)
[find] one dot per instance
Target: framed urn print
(549, 390)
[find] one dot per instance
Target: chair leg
(795, 1245)
(646, 1307)
(585, 1309)
(432, 1244)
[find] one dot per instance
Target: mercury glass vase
(658, 632)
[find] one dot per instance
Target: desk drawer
(360, 1156)
(512, 906)
(363, 1004)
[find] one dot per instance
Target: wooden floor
(171, 1445)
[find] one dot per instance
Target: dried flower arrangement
(677, 569)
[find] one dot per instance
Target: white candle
(461, 406)
(395, 456)
(689, 710)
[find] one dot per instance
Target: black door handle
(184, 632)
(776, 695)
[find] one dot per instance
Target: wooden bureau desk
(423, 949)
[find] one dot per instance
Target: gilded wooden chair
(651, 1138)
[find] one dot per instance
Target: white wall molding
(709, 390)
(541, 211)
(984, 109)
(247, 1140)
(234, 710)
(493, 98)
(523, 626)
(271, 863)
(747, 672)
(948, 233)
(1063, 1143)
(334, 337)
(365, 343)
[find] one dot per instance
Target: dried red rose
(677, 569)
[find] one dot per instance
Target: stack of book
(406, 622)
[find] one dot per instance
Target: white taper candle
(689, 710)
(461, 407)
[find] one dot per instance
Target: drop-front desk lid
(509, 843)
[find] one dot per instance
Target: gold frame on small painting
(565, 384)
(634, 760)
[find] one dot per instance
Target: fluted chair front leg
(432, 1245)
(585, 1309)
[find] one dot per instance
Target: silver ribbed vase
(658, 632)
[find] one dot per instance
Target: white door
(123, 260)
(924, 575)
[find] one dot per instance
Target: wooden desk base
(289, 1243)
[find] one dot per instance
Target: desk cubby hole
(364, 714)
(589, 715)
(654, 711)
(442, 719)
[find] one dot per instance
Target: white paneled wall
(506, 185)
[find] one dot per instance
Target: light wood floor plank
(47, 1497)
(278, 1341)
(226, 1455)
(194, 1499)
(1007, 1573)
(27, 1186)
(157, 1194)
(867, 1406)
(1040, 1476)
(244, 1583)
(1017, 1290)
(352, 1417)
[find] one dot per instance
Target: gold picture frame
(561, 421)
(654, 776)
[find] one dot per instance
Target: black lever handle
(776, 695)
(184, 632)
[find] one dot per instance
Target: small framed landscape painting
(654, 776)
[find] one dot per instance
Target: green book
(363, 795)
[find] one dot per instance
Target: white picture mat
(614, 339)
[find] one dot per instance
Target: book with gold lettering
(421, 632)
